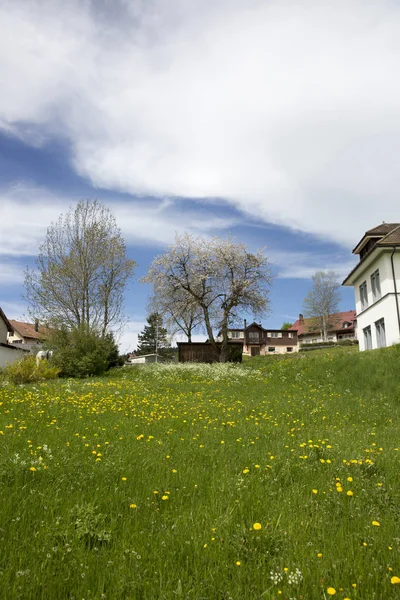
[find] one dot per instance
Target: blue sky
(273, 122)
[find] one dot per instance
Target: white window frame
(367, 338)
(254, 336)
(363, 295)
(236, 334)
(376, 285)
(380, 333)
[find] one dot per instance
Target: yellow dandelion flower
(315, 491)
(165, 497)
(257, 526)
(319, 554)
(395, 580)
(237, 563)
(350, 493)
(133, 506)
(354, 585)
(349, 479)
(376, 523)
(32, 469)
(123, 478)
(331, 591)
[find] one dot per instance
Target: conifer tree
(154, 338)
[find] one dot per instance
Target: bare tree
(322, 301)
(219, 277)
(181, 313)
(81, 270)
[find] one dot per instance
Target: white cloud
(303, 265)
(27, 211)
(291, 111)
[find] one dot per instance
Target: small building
(204, 352)
(8, 352)
(145, 359)
(27, 335)
(342, 326)
(376, 283)
(257, 340)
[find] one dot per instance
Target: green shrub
(26, 371)
(81, 352)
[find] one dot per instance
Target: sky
(273, 121)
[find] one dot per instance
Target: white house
(341, 326)
(376, 282)
(27, 335)
(8, 353)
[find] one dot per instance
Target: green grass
(147, 483)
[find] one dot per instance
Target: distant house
(8, 352)
(342, 326)
(376, 282)
(28, 335)
(144, 359)
(258, 340)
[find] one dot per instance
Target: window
(290, 334)
(254, 336)
(380, 333)
(271, 348)
(376, 285)
(363, 295)
(289, 349)
(274, 334)
(237, 334)
(367, 338)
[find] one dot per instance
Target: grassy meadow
(275, 479)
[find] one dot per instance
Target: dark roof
(307, 326)
(27, 330)
(4, 345)
(376, 232)
(390, 236)
(382, 229)
(6, 321)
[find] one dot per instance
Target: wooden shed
(204, 352)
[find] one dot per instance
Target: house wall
(10, 355)
(3, 331)
(385, 306)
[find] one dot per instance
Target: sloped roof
(27, 330)
(307, 326)
(382, 229)
(392, 238)
(379, 231)
(6, 321)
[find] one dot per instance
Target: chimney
(245, 323)
(36, 324)
(301, 319)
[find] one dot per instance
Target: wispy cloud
(28, 210)
(290, 111)
(303, 265)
